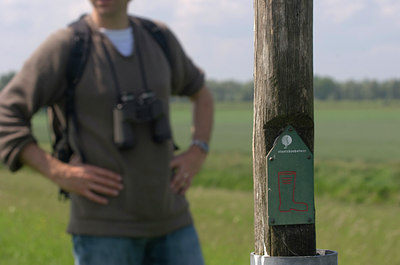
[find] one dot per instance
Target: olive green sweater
(146, 206)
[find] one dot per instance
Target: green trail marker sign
(290, 169)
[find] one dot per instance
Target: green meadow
(357, 185)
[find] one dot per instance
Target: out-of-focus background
(357, 128)
(352, 39)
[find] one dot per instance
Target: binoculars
(143, 109)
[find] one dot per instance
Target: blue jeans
(180, 247)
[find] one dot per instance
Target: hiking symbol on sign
(290, 171)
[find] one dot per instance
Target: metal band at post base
(323, 257)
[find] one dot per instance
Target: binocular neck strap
(120, 92)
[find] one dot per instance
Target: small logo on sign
(286, 140)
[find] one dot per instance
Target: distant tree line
(231, 90)
(325, 88)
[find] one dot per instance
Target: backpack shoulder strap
(78, 56)
(158, 35)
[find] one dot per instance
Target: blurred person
(127, 196)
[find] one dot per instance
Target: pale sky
(357, 39)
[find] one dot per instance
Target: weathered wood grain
(283, 76)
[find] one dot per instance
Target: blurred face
(110, 7)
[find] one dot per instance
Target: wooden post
(283, 76)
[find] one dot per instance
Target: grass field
(357, 179)
(343, 130)
(357, 149)
(32, 224)
(348, 131)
